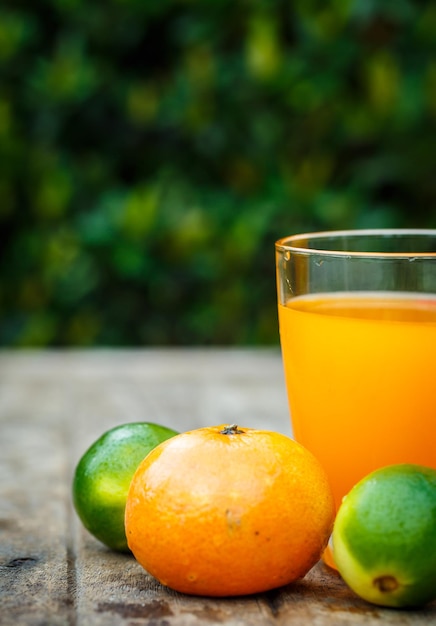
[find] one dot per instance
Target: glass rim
(288, 243)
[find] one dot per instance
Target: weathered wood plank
(52, 406)
(34, 555)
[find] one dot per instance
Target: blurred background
(152, 151)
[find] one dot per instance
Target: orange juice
(360, 372)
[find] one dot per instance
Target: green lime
(102, 478)
(384, 537)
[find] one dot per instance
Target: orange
(224, 511)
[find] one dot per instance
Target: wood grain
(53, 405)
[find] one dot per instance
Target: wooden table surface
(53, 405)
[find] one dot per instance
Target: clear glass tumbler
(357, 317)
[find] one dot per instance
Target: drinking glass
(357, 318)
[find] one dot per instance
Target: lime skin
(102, 478)
(384, 537)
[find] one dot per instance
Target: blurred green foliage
(151, 151)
